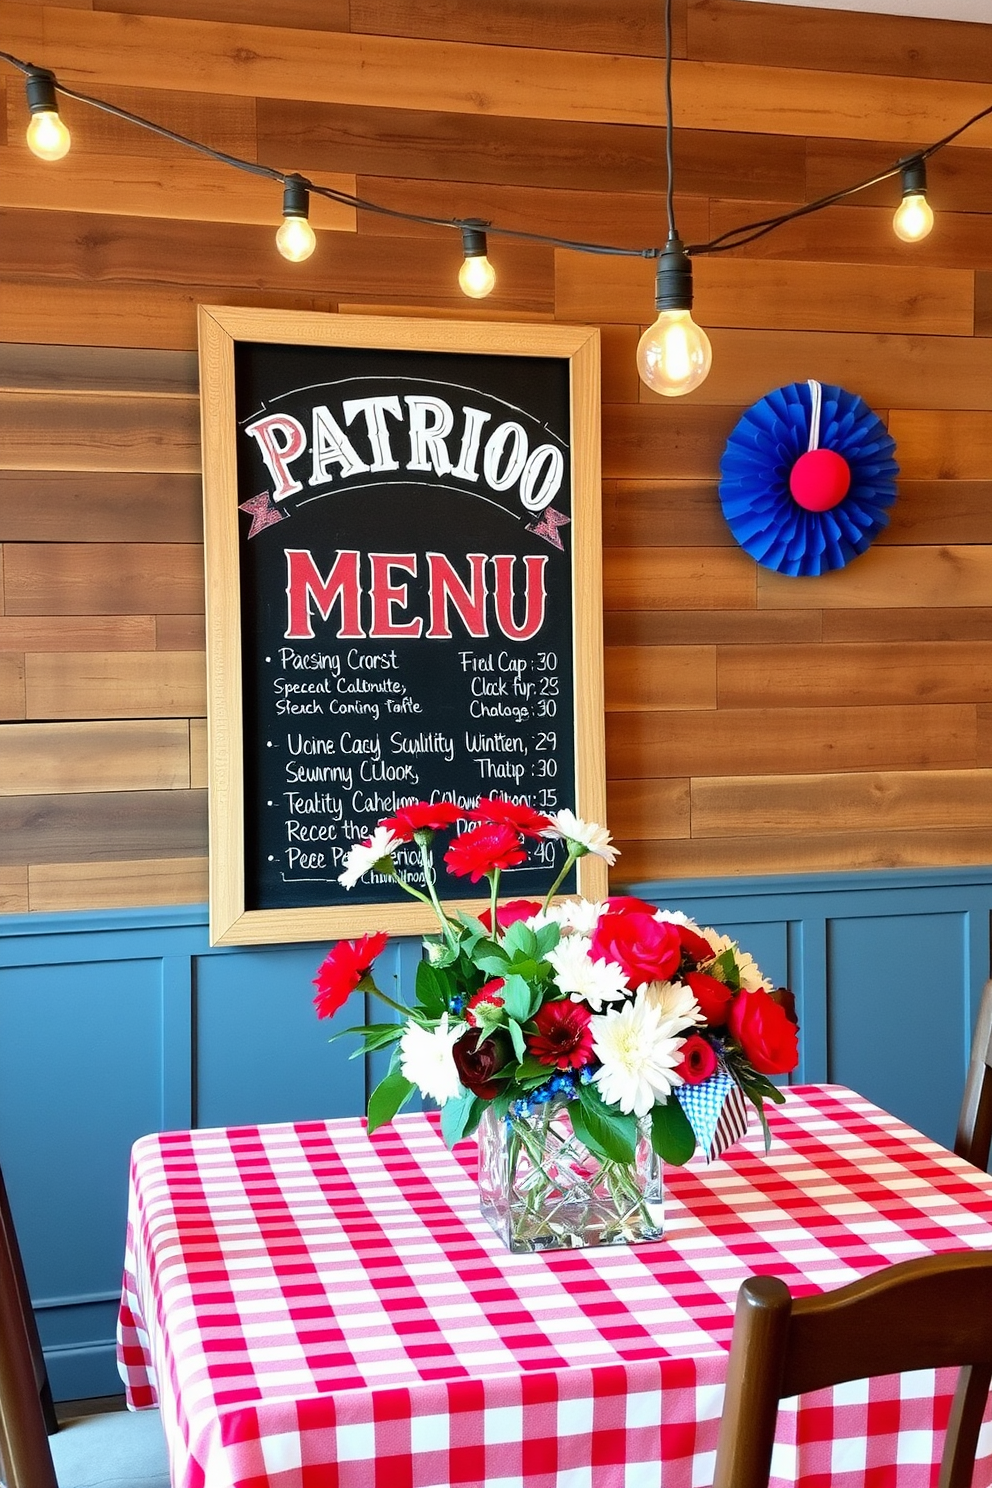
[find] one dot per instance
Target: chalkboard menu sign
(403, 602)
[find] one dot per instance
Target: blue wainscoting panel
(116, 1024)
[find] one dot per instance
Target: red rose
(509, 914)
(431, 816)
(495, 812)
(698, 1060)
(486, 994)
(648, 950)
(622, 903)
(713, 996)
(694, 945)
(483, 850)
(564, 1037)
(344, 968)
(765, 1032)
(477, 1063)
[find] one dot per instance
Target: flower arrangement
(636, 1022)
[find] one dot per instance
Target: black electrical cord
(734, 238)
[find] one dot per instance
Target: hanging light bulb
(295, 238)
(47, 136)
(476, 276)
(674, 355)
(914, 214)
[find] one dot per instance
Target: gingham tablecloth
(315, 1309)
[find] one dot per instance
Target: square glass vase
(542, 1189)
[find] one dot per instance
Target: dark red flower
(483, 850)
(648, 950)
(698, 1060)
(765, 1032)
(496, 812)
(477, 1063)
(487, 994)
(713, 996)
(564, 1037)
(787, 1002)
(345, 966)
(422, 815)
(509, 914)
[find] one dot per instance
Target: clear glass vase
(542, 1189)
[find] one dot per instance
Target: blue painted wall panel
(115, 1024)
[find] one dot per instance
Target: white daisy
(364, 855)
(577, 915)
(594, 982)
(673, 1001)
(676, 917)
(747, 969)
(594, 839)
(638, 1054)
(425, 1058)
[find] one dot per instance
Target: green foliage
(388, 1097)
(724, 968)
(605, 1131)
(455, 1115)
(432, 989)
(671, 1135)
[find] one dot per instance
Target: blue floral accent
(754, 492)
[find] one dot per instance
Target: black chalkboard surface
(403, 587)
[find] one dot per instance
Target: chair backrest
(914, 1315)
(975, 1119)
(24, 1393)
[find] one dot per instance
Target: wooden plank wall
(755, 724)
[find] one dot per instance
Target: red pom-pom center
(819, 480)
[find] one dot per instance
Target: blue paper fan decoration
(810, 440)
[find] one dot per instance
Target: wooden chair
(975, 1119)
(115, 1450)
(914, 1315)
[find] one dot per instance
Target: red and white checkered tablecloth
(315, 1309)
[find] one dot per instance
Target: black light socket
(474, 238)
(673, 283)
(295, 197)
(914, 177)
(40, 87)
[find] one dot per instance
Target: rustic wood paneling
(133, 882)
(748, 741)
(659, 578)
(756, 723)
(100, 506)
(660, 677)
(45, 758)
(47, 431)
(885, 576)
(103, 826)
(103, 578)
(123, 684)
(866, 674)
(888, 801)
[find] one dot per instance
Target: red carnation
(422, 816)
(713, 996)
(765, 1032)
(564, 1037)
(648, 950)
(345, 967)
(496, 812)
(698, 1060)
(485, 994)
(509, 914)
(483, 850)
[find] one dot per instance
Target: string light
(476, 275)
(913, 220)
(47, 135)
(295, 239)
(673, 355)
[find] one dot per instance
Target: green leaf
(516, 995)
(671, 1135)
(454, 1116)
(521, 941)
(432, 990)
(517, 1036)
(490, 959)
(605, 1131)
(724, 968)
(474, 1116)
(501, 1103)
(547, 938)
(388, 1097)
(530, 1068)
(369, 1030)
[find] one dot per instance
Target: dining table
(312, 1307)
